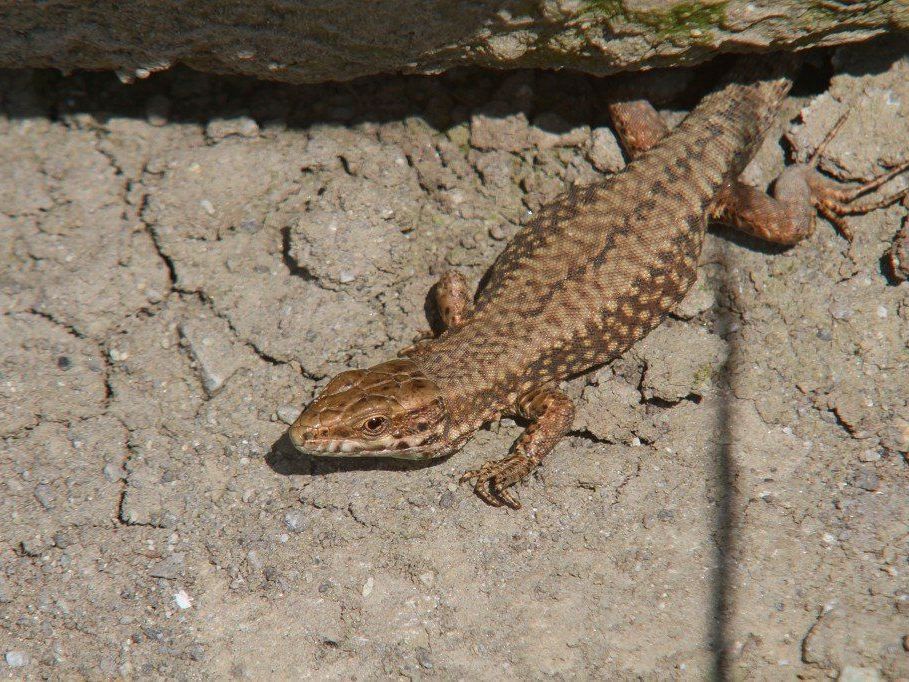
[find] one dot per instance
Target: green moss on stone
(692, 21)
(703, 374)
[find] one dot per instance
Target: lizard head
(389, 410)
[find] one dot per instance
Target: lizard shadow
(746, 241)
(284, 459)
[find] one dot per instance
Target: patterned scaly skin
(594, 272)
(600, 267)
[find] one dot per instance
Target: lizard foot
(834, 201)
(492, 480)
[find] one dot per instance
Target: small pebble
(368, 586)
(62, 540)
(117, 355)
(170, 567)
(243, 126)
(851, 673)
(423, 658)
(666, 515)
(295, 521)
(16, 659)
(64, 362)
(840, 311)
(252, 558)
(44, 495)
(182, 600)
(288, 413)
(867, 480)
(869, 456)
(250, 225)
(446, 500)
(34, 546)
(605, 153)
(113, 472)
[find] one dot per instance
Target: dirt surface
(187, 259)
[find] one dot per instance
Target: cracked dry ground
(187, 259)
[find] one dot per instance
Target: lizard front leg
(452, 299)
(551, 413)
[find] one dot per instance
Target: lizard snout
(304, 430)
(299, 435)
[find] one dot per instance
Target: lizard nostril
(299, 435)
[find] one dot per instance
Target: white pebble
(207, 206)
(367, 587)
(16, 659)
(182, 600)
(870, 456)
(287, 413)
(882, 312)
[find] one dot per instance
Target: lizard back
(601, 266)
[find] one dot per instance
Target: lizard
(591, 274)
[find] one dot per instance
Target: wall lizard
(590, 275)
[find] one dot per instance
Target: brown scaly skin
(596, 271)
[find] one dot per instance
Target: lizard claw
(834, 203)
(492, 480)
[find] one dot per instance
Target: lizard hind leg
(551, 413)
(640, 127)
(799, 193)
(453, 302)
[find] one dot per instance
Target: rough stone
(343, 41)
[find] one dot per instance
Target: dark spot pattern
(600, 266)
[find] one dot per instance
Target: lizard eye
(375, 425)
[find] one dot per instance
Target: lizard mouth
(308, 443)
